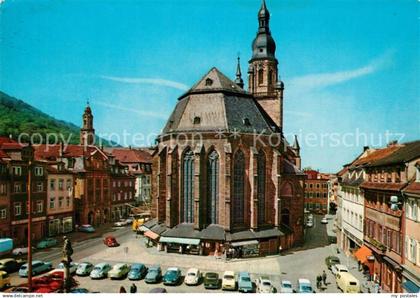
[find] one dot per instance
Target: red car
(110, 241)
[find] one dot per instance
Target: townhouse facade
(139, 164)
(411, 266)
(317, 192)
(60, 207)
(385, 183)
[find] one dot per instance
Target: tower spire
(87, 132)
(238, 79)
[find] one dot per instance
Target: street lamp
(28, 156)
(67, 253)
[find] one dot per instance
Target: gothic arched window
(261, 186)
(213, 187)
(188, 186)
(238, 193)
(260, 76)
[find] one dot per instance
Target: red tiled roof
(49, 152)
(6, 140)
(127, 155)
(376, 155)
(343, 171)
(383, 186)
(11, 146)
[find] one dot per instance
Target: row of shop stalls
(214, 240)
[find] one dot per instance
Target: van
(4, 280)
(347, 283)
(304, 286)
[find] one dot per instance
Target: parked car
(286, 287)
(211, 280)
(18, 289)
(86, 229)
(154, 275)
(229, 281)
(138, 271)
(324, 220)
(79, 291)
(10, 265)
(84, 269)
(18, 251)
(337, 268)
(120, 223)
(310, 216)
(119, 271)
(46, 243)
(304, 286)
(264, 285)
(192, 277)
(158, 290)
(172, 276)
(309, 223)
(245, 283)
(100, 271)
(128, 221)
(331, 260)
(347, 283)
(110, 241)
(37, 268)
(73, 267)
(4, 280)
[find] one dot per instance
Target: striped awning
(151, 235)
(244, 243)
(188, 241)
(143, 229)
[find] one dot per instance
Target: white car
(229, 281)
(310, 224)
(286, 287)
(192, 277)
(73, 267)
(337, 268)
(311, 216)
(324, 220)
(264, 285)
(20, 251)
(120, 223)
(129, 220)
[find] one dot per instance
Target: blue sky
(349, 67)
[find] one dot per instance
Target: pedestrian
(133, 288)
(324, 277)
(359, 265)
(122, 290)
(318, 281)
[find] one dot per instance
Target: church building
(225, 180)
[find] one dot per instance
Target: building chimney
(393, 143)
(365, 148)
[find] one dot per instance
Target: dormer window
(418, 174)
(209, 82)
(197, 120)
(246, 122)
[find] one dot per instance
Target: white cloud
(152, 81)
(322, 80)
(142, 113)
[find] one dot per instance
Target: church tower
(87, 133)
(263, 81)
